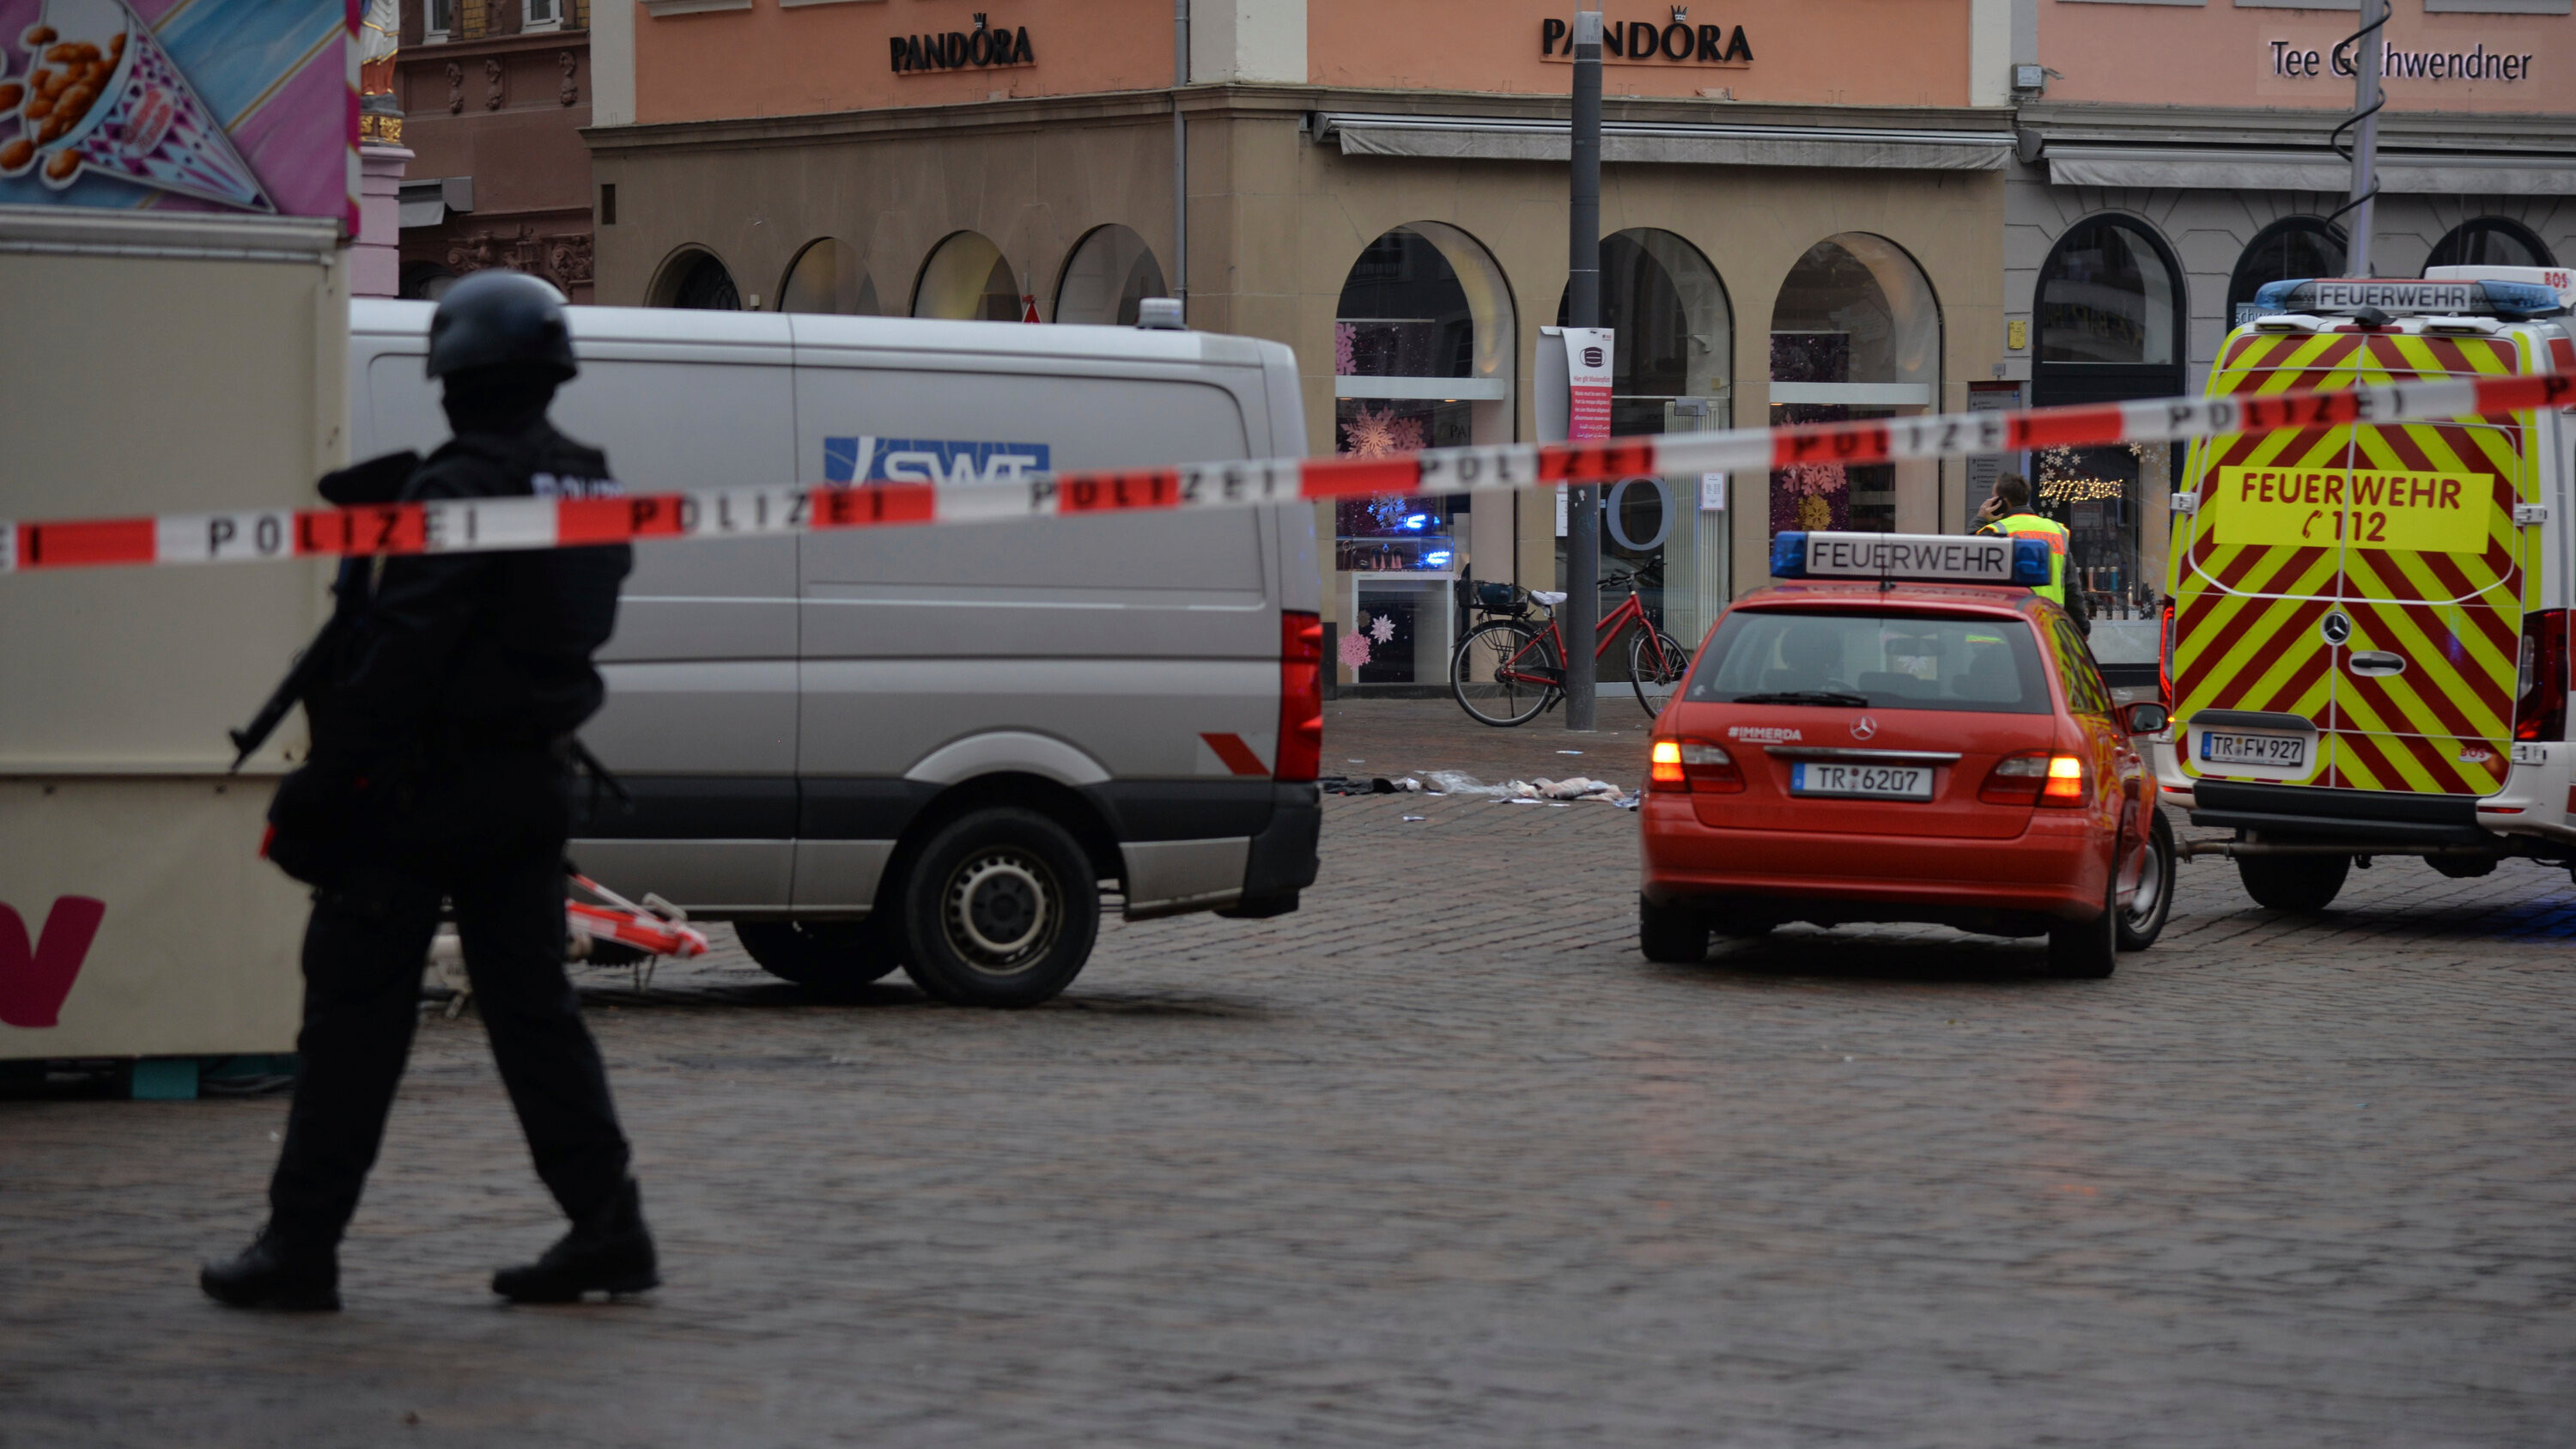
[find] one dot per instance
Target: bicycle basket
(1494, 596)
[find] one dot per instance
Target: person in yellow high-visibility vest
(2008, 513)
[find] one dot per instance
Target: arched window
(1424, 342)
(2490, 241)
(693, 278)
(2111, 308)
(2110, 295)
(1110, 271)
(967, 278)
(1671, 358)
(2296, 246)
(1855, 333)
(827, 277)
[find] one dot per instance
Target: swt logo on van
(929, 460)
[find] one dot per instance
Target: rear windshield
(1898, 661)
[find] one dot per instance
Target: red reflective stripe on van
(1235, 755)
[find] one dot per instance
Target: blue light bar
(2406, 296)
(1911, 558)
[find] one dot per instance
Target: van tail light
(2540, 700)
(1301, 696)
(2036, 777)
(1683, 766)
(2164, 661)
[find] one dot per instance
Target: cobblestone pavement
(1438, 1160)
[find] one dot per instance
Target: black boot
(609, 1253)
(276, 1271)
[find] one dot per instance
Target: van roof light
(2405, 296)
(1160, 314)
(1911, 558)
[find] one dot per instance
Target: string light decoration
(2080, 490)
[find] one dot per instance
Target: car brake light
(2164, 660)
(2035, 777)
(1687, 765)
(1301, 696)
(2540, 702)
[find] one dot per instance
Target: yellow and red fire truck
(2366, 646)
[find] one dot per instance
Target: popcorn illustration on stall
(100, 93)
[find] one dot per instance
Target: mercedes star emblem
(1864, 727)
(2336, 627)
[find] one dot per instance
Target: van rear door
(2348, 601)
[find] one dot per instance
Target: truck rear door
(2365, 583)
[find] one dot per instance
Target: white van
(928, 746)
(2367, 641)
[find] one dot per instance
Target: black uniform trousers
(501, 863)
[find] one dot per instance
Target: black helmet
(499, 316)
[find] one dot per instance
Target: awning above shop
(2224, 169)
(1494, 138)
(430, 200)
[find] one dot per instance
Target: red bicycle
(1508, 670)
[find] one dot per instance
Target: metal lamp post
(1581, 614)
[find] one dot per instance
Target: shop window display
(827, 277)
(2108, 296)
(1675, 340)
(1110, 272)
(696, 280)
(1408, 374)
(1855, 333)
(968, 279)
(2110, 307)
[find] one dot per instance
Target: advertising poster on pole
(1571, 393)
(242, 107)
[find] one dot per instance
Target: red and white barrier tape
(514, 523)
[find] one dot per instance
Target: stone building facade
(494, 95)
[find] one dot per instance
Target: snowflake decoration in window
(1383, 629)
(1380, 433)
(1353, 648)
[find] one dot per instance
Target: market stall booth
(173, 230)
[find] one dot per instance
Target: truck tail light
(1301, 696)
(1683, 766)
(2035, 777)
(2540, 699)
(2164, 660)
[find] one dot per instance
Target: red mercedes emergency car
(1898, 729)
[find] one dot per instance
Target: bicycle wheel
(1655, 668)
(1504, 673)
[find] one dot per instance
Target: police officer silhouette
(442, 719)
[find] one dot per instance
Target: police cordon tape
(489, 524)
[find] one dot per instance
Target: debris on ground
(1541, 790)
(1374, 785)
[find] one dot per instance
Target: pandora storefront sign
(1645, 42)
(982, 48)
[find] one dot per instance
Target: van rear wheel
(2293, 882)
(829, 955)
(1000, 909)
